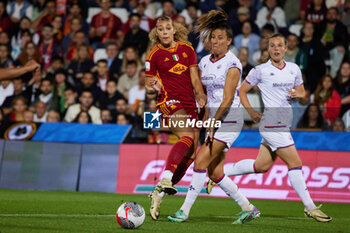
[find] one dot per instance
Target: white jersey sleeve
(299, 77)
(254, 76)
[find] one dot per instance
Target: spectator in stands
(243, 14)
(312, 119)
(254, 58)
(78, 40)
(234, 13)
(6, 89)
(57, 23)
(243, 56)
(81, 64)
(299, 107)
(19, 106)
(102, 75)
(109, 98)
(40, 114)
(105, 26)
(5, 38)
(70, 95)
(17, 49)
(53, 116)
(49, 48)
(56, 65)
(338, 125)
(114, 63)
(271, 13)
(106, 116)
(291, 10)
(167, 9)
(146, 24)
(136, 36)
(316, 12)
(18, 9)
(83, 117)
(121, 106)
(344, 12)
(191, 13)
(137, 93)
(33, 86)
(28, 116)
(29, 52)
(19, 90)
(122, 119)
(75, 26)
(46, 16)
(294, 54)
(315, 51)
(85, 104)
(334, 37)
(47, 96)
(247, 38)
(5, 58)
(5, 21)
(74, 12)
(60, 84)
(328, 99)
(342, 85)
(88, 82)
(129, 79)
(130, 54)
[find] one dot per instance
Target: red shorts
(171, 106)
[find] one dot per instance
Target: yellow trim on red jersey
(165, 92)
(150, 54)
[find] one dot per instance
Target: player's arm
(243, 90)
(197, 86)
(297, 92)
(11, 73)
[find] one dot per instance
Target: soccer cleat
(210, 186)
(317, 214)
(247, 216)
(179, 216)
(165, 185)
(156, 200)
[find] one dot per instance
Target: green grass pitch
(75, 212)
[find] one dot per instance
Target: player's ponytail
(214, 19)
(181, 33)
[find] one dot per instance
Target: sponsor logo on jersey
(147, 66)
(178, 69)
(176, 57)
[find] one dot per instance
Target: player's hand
(156, 85)
(201, 100)
(32, 66)
(255, 115)
(210, 138)
(294, 94)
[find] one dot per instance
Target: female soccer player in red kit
(171, 69)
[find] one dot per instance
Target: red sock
(184, 147)
(181, 169)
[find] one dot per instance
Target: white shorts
(277, 140)
(228, 133)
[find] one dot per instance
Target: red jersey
(172, 68)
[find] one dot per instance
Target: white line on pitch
(58, 215)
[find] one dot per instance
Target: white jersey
(213, 79)
(274, 84)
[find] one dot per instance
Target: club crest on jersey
(176, 57)
(178, 69)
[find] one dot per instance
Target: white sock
(242, 167)
(197, 183)
(296, 179)
(231, 189)
(168, 174)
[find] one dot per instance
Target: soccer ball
(130, 215)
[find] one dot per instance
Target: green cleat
(247, 216)
(179, 216)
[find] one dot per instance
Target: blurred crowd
(92, 55)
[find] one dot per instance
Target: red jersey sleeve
(151, 62)
(192, 57)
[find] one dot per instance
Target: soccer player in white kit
(220, 74)
(278, 81)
